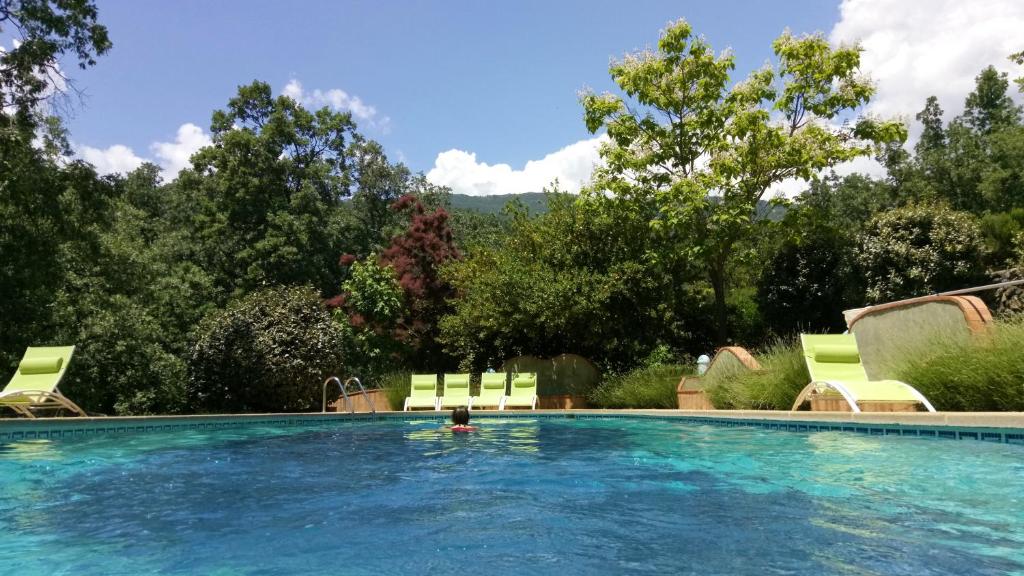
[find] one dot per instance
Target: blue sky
(489, 83)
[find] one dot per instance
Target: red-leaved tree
(417, 256)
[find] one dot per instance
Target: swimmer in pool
(460, 420)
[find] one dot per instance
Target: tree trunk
(716, 271)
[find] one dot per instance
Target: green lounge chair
(34, 386)
(456, 391)
(834, 364)
(523, 392)
(422, 392)
(492, 390)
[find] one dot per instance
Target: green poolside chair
(456, 391)
(492, 390)
(34, 386)
(523, 392)
(422, 392)
(833, 361)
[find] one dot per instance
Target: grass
(774, 387)
(987, 374)
(396, 388)
(651, 387)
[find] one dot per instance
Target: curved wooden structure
(690, 393)
(888, 332)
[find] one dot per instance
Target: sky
(483, 96)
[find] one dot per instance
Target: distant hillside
(536, 202)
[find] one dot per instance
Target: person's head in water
(460, 416)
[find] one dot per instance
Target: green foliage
(917, 250)
(369, 310)
(809, 282)
(1001, 230)
(268, 193)
(269, 351)
(774, 387)
(581, 279)
(396, 386)
(704, 150)
(43, 30)
(974, 163)
(985, 375)
(646, 387)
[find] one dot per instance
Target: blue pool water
(530, 496)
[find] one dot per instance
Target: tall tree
(706, 151)
(269, 191)
(989, 107)
(417, 256)
(933, 136)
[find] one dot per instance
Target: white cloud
(916, 49)
(572, 166)
(173, 157)
(116, 158)
(338, 99)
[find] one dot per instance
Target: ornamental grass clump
(396, 386)
(648, 387)
(783, 374)
(985, 374)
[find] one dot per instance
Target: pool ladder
(344, 393)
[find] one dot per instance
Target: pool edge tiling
(1002, 427)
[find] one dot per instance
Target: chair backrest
(524, 384)
(833, 357)
(423, 386)
(456, 385)
(42, 368)
(492, 384)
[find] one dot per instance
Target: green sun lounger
(33, 387)
(833, 361)
(492, 390)
(456, 391)
(422, 392)
(523, 392)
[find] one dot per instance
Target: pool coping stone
(1003, 427)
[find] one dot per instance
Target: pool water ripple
(549, 496)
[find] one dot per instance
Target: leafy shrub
(267, 352)
(774, 387)
(985, 375)
(648, 387)
(808, 281)
(916, 250)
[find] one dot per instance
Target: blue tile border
(14, 430)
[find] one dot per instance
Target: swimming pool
(532, 495)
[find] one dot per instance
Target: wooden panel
(694, 400)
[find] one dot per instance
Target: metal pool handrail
(344, 393)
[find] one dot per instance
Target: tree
(1018, 58)
(707, 152)
(989, 108)
(809, 281)
(369, 309)
(268, 192)
(918, 250)
(417, 257)
(43, 31)
(579, 279)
